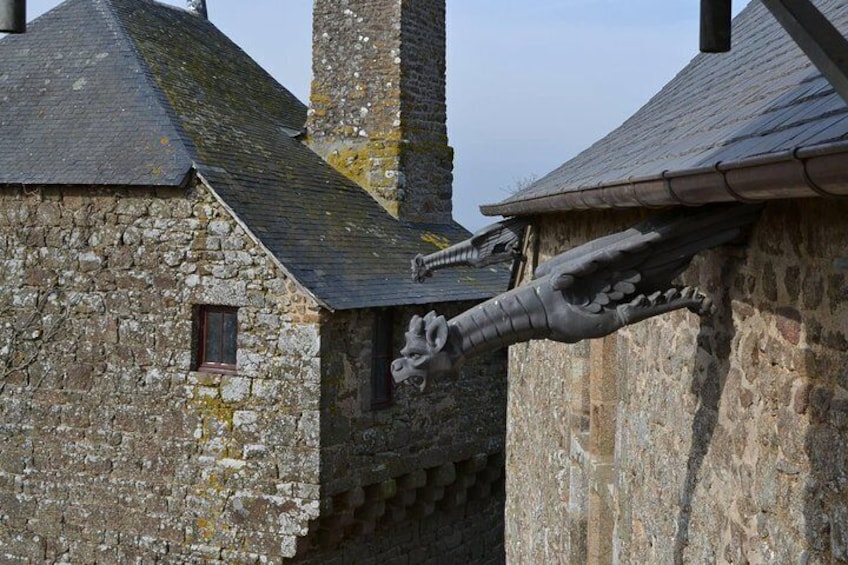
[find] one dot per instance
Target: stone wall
(111, 447)
(378, 111)
(687, 440)
(425, 454)
(455, 418)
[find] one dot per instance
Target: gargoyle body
(587, 292)
(492, 244)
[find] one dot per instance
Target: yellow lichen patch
(216, 408)
(317, 97)
(439, 241)
(351, 163)
(392, 207)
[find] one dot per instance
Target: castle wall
(453, 535)
(689, 440)
(112, 448)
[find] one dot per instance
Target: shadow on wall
(799, 330)
(824, 398)
(711, 367)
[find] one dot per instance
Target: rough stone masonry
(115, 448)
(385, 62)
(689, 440)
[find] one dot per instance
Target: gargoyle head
(424, 353)
(420, 272)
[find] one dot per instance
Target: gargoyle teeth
(640, 300)
(654, 297)
(687, 292)
(670, 293)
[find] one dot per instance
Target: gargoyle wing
(646, 258)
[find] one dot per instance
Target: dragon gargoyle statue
(492, 244)
(587, 292)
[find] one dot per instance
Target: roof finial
(198, 7)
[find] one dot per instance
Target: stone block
(602, 429)
(234, 389)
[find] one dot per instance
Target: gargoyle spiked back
(587, 292)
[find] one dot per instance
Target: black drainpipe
(13, 16)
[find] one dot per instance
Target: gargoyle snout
(403, 371)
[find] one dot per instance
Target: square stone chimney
(377, 109)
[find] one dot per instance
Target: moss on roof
(177, 95)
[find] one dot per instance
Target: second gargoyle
(587, 292)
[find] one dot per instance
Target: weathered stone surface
(109, 437)
(457, 418)
(729, 446)
(114, 445)
(378, 111)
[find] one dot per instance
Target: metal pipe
(803, 173)
(13, 16)
(715, 26)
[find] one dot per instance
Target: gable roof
(710, 134)
(149, 93)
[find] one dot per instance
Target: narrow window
(381, 359)
(217, 339)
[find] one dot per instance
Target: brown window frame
(382, 384)
(202, 326)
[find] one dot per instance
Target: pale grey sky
(530, 83)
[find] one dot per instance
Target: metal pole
(13, 16)
(715, 26)
(817, 37)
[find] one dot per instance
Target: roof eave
(801, 173)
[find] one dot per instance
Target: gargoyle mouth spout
(403, 373)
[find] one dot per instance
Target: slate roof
(133, 92)
(761, 100)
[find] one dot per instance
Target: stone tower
(378, 110)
